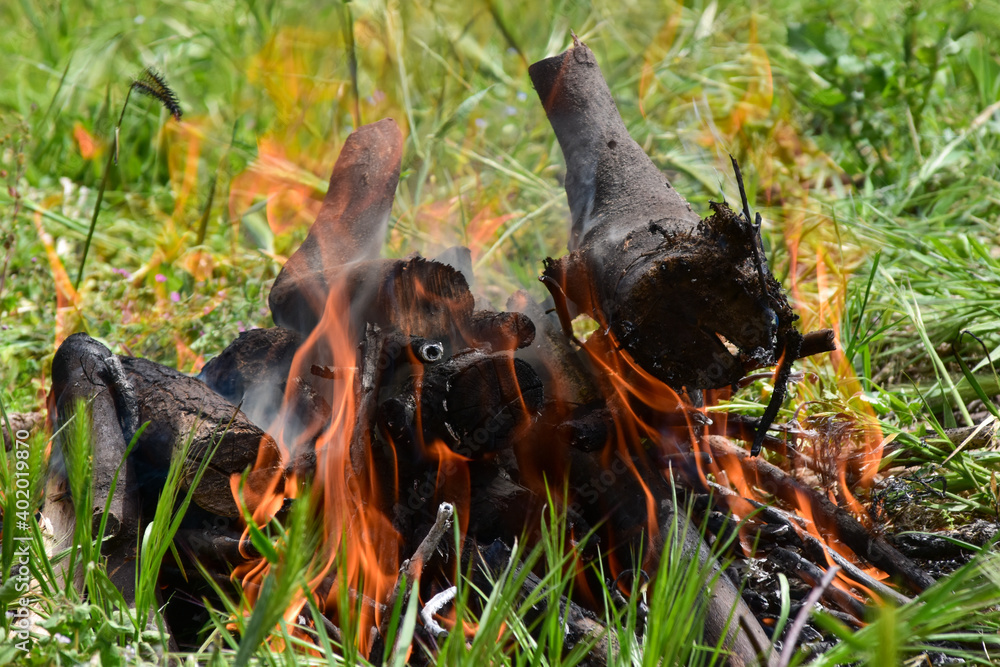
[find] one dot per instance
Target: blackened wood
(642, 263)
(793, 342)
(473, 403)
(218, 547)
(371, 352)
(828, 517)
(565, 374)
(795, 533)
(351, 224)
(817, 342)
(179, 407)
(416, 296)
(253, 369)
(85, 370)
(617, 492)
(791, 562)
(410, 571)
(500, 331)
(608, 175)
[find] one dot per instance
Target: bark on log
(179, 407)
(252, 372)
(126, 392)
(350, 227)
(690, 300)
(85, 370)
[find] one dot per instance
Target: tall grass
(860, 126)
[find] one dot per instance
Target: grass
(867, 134)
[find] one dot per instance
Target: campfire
(394, 401)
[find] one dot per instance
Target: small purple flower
(175, 297)
(509, 110)
(521, 96)
(481, 123)
(239, 327)
(34, 260)
(160, 278)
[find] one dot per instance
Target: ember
(400, 404)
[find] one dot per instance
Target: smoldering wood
(366, 399)
(179, 407)
(473, 402)
(500, 331)
(641, 262)
(813, 575)
(252, 371)
(947, 544)
(338, 265)
(350, 227)
(873, 548)
(410, 571)
(625, 509)
(564, 372)
(794, 533)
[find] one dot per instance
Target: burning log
(350, 227)
(339, 259)
(691, 300)
(253, 370)
(813, 575)
(128, 392)
(409, 574)
(636, 516)
(794, 533)
(178, 407)
(473, 402)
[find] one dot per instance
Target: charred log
(179, 407)
(350, 227)
(252, 371)
(85, 370)
(689, 299)
(473, 402)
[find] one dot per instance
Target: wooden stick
(813, 575)
(828, 516)
(803, 616)
(409, 574)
